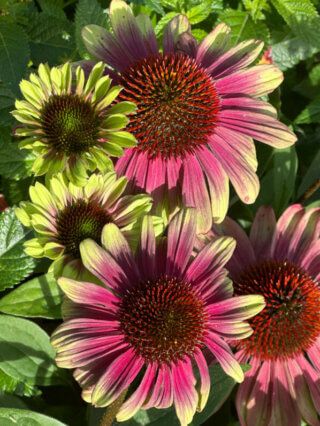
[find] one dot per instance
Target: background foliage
(32, 32)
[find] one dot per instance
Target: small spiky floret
(70, 125)
(164, 320)
(154, 320)
(290, 322)
(63, 215)
(177, 104)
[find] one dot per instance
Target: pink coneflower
(154, 317)
(280, 261)
(196, 111)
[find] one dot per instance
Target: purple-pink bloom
(280, 261)
(159, 315)
(197, 111)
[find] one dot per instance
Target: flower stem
(111, 412)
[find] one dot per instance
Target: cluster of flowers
(141, 246)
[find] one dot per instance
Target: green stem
(111, 412)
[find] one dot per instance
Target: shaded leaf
(288, 53)
(15, 416)
(311, 114)
(16, 163)
(312, 175)
(200, 12)
(26, 353)
(15, 386)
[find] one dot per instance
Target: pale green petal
(123, 138)
(94, 76)
(57, 80)
(94, 186)
(43, 225)
(125, 107)
(76, 171)
(40, 165)
(115, 122)
(113, 192)
(110, 97)
(67, 77)
(33, 248)
(113, 149)
(60, 191)
(103, 162)
(40, 195)
(101, 88)
(53, 250)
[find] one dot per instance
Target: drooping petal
(148, 33)
(213, 45)
(205, 379)
(178, 25)
(237, 308)
(262, 232)
(146, 251)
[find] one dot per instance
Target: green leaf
(26, 353)
(16, 163)
(243, 27)
(302, 18)
(11, 401)
(52, 9)
(15, 265)
(88, 12)
(15, 386)
(18, 417)
(199, 34)
(289, 53)
(170, 4)
(39, 297)
(15, 191)
(310, 86)
(285, 163)
(155, 5)
(312, 175)
(221, 386)
(14, 55)
(311, 114)
(199, 13)
(51, 39)
(159, 29)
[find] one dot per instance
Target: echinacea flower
(280, 261)
(154, 317)
(3, 203)
(64, 214)
(197, 111)
(72, 126)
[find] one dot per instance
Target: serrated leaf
(26, 353)
(311, 114)
(7, 97)
(221, 386)
(39, 297)
(243, 27)
(285, 168)
(15, 386)
(310, 86)
(289, 53)
(302, 18)
(199, 34)
(52, 9)
(200, 12)
(170, 4)
(51, 39)
(312, 176)
(155, 5)
(15, 265)
(159, 29)
(14, 163)
(87, 12)
(14, 54)
(15, 417)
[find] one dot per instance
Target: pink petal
(134, 403)
(88, 293)
(178, 25)
(236, 58)
(314, 354)
(217, 181)
(148, 34)
(195, 193)
(146, 251)
(117, 378)
(262, 232)
(225, 357)
(255, 81)
(181, 237)
(184, 393)
(311, 261)
(125, 163)
(236, 309)
(213, 45)
(127, 30)
(165, 398)
(174, 182)
(205, 379)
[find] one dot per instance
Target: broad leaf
(15, 163)
(15, 416)
(200, 12)
(26, 353)
(15, 265)
(14, 55)
(312, 176)
(39, 297)
(288, 53)
(15, 386)
(311, 114)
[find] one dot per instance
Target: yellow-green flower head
(70, 124)
(63, 215)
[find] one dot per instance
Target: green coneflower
(63, 215)
(70, 125)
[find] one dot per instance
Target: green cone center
(70, 123)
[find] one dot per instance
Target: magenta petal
(311, 261)
(178, 25)
(262, 232)
(165, 398)
(184, 393)
(181, 237)
(127, 30)
(117, 378)
(101, 44)
(195, 193)
(124, 163)
(146, 251)
(148, 34)
(174, 179)
(205, 379)
(136, 400)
